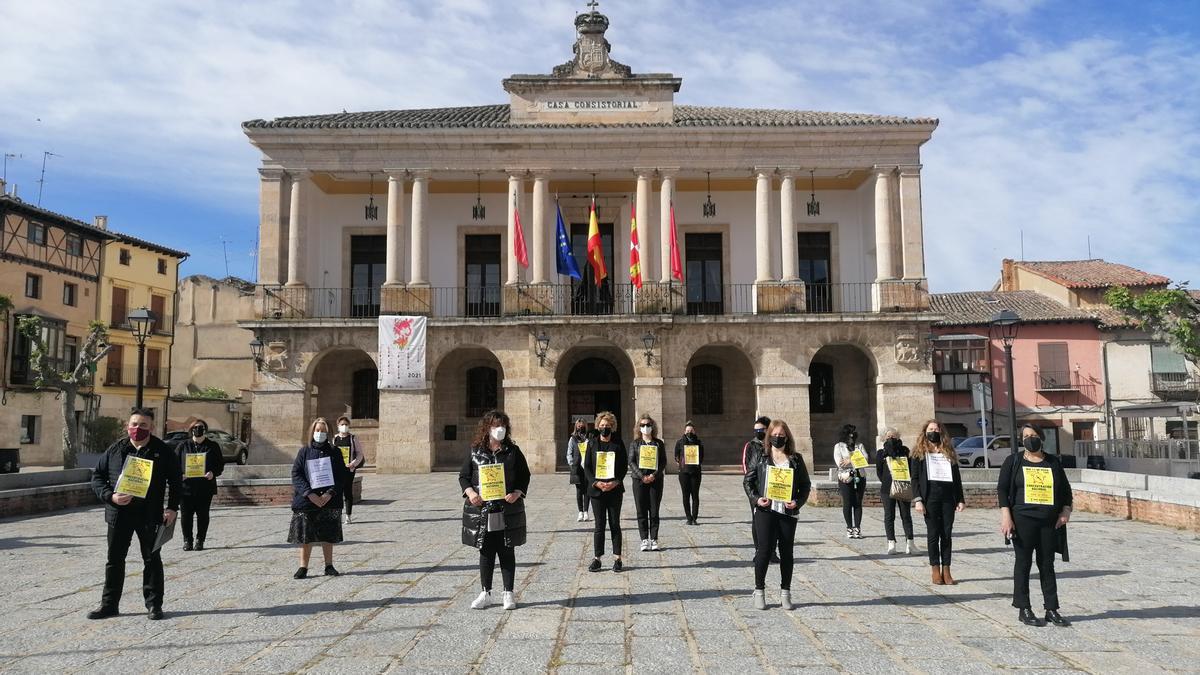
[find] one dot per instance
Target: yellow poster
(1039, 485)
(648, 458)
(606, 463)
(582, 445)
(345, 454)
(779, 483)
(195, 466)
(898, 467)
(858, 459)
(491, 482)
(135, 477)
(691, 455)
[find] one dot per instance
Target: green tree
(68, 383)
(1171, 315)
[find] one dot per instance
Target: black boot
(103, 613)
(199, 544)
(187, 544)
(1052, 616)
(1029, 619)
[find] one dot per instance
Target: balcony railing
(162, 326)
(127, 376)
(1057, 380)
(1177, 449)
(1175, 386)
(282, 302)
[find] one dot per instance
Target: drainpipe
(1108, 411)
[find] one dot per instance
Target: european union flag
(566, 259)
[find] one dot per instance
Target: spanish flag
(595, 252)
(635, 263)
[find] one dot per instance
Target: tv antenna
(8, 156)
(225, 250)
(42, 181)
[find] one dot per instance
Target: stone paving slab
(402, 603)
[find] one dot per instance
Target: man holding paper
(132, 478)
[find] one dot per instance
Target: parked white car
(970, 451)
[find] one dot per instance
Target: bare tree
(67, 383)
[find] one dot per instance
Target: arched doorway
(467, 383)
(591, 380)
(345, 381)
(841, 391)
(720, 401)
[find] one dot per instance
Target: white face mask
(320, 436)
(498, 433)
(647, 429)
(343, 429)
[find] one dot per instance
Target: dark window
(482, 391)
(813, 250)
(820, 388)
(53, 337)
(29, 428)
(158, 307)
(703, 274)
(125, 256)
(74, 244)
(483, 274)
(70, 353)
(162, 266)
(33, 286)
(1054, 370)
(70, 292)
(119, 316)
(586, 296)
(368, 269)
(154, 376)
(707, 390)
(365, 394)
(959, 364)
(114, 366)
(37, 233)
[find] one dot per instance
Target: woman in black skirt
(496, 525)
(317, 476)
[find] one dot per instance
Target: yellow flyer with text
(648, 458)
(491, 482)
(1039, 485)
(691, 455)
(898, 466)
(858, 459)
(135, 477)
(779, 483)
(605, 465)
(195, 467)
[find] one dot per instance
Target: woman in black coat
(937, 495)
(893, 448)
(317, 476)
(206, 463)
(647, 482)
(606, 488)
(1035, 516)
(775, 519)
(576, 449)
(494, 468)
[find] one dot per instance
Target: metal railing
(127, 376)
(1175, 385)
(579, 299)
(1124, 448)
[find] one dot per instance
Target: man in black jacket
(127, 514)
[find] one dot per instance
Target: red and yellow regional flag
(635, 262)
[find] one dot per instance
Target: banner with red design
(402, 352)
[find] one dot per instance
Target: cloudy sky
(1062, 120)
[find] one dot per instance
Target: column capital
(791, 171)
(517, 174)
(644, 172)
(764, 171)
(883, 169)
(419, 174)
(271, 174)
(298, 174)
(667, 171)
(909, 169)
(540, 174)
(396, 174)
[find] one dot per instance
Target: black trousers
(581, 498)
(852, 499)
(120, 536)
(493, 548)
(889, 517)
(774, 531)
(647, 498)
(1034, 534)
(689, 487)
(607, 509)
(348, 494)
(195, 506)
(939, 524)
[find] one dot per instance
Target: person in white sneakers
(576, 448)
(352, 456)
(647, 466)
(893, 448)
(852, 482)
(496, 469)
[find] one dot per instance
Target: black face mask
(690, 437)
(892, 444)
(605, 433)
(778, 441)
(934, 437)
(1032, 443)
(198, 432)
(853, 438)
(760, 434)
(580, 433)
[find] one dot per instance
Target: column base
(780, 297)
(410, 300)
(904, 295)
(660, 297)
(529, 300)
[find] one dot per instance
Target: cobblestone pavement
(402, 602)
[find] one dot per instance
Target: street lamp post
(141, 323)
(1005, 326)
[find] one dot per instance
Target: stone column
(786, 397)
(273, 204)
(540, 192)
(405, 435)
(645, 229)
(418, 266)
(514, 195)
(296, 232)
(911, 227)
(762, 228)
(395, 229)
(787, 226)
(666, 196)
(884, 267)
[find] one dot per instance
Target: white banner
(401, 352)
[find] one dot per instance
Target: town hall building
(799, 290)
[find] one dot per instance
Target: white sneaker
(849, 532)
(580, 519)
(484, 599)
(654, 545)
(587, 515)
(891, 548)
(910, 547)
(785, 600)
(760, 599)
(645, 544)
(346, 519)
(510, 602)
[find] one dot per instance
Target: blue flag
(566, 259)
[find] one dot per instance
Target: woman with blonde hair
(318, 474)
(604, 470)
(775, 519)
(647, 462)
(938, 495)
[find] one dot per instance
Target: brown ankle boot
(937, 575)
(946, 578)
